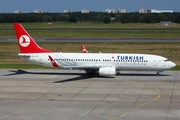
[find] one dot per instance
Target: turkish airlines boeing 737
(106, 64)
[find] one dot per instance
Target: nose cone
(171, 65)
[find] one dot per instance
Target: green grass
(96, 33)
(176, 68)
(55, 30)
(35, 25)
(20, 66)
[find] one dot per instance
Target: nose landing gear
(158, 73)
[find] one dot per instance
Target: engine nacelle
(107, 71)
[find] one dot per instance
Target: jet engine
(107, 71)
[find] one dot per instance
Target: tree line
(93, 16)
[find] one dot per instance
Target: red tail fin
(26, 42)
(84, 49)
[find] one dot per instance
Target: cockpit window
(166, 60)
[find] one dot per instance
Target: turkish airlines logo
(24, 40)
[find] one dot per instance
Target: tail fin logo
(84, 50)
(24, 40)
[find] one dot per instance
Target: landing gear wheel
(157, 74)
(90, 73)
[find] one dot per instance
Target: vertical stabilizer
(26, 42)
(84, 49)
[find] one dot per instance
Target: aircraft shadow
(140, 74)
(82, 76)
(19, 72)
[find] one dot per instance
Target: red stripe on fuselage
(53, 62)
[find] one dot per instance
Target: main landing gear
(90, 73)
(157, 74)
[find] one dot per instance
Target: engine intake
(107, 71)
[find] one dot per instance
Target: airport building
(38, 11)
(161, 11)
(18, 11)
(85, 11)
(67, 11)
(143, 10)
(115, 10)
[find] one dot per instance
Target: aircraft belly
(139, 68)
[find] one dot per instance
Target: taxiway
(50, 94)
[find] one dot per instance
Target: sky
(8, 6)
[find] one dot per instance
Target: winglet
(26, 42)
(83, 49)
(53, 62)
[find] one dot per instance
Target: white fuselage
(138, 62)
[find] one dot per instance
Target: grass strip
(96, 33)
(177, 68)
(56, 25)
(21, 66)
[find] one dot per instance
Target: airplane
(105, 64)
(83, 49)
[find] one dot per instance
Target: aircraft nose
(172, 64)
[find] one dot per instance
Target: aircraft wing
(15, 55)
(18, 55)
(23, 55)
